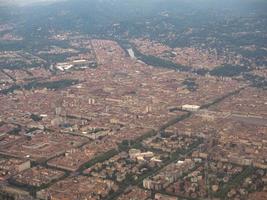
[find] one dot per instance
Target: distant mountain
(151, 18)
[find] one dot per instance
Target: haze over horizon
(24, 2)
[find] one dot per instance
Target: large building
(192, 108)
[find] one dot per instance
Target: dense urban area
(143, 108)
